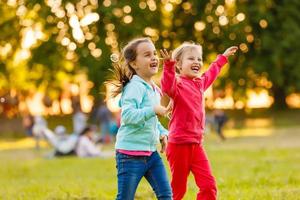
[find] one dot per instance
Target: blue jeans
(131, 169)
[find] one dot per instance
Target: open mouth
(195, 69)
(154, 65)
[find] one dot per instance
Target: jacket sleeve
(131, 100)
(168, 81)
(214, 69)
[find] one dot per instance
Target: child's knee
(178, 192)
(209, 188)
(165, 194)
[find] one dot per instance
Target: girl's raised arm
(214, 69)
(168, 81)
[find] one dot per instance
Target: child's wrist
(225, 55)
(170, 60)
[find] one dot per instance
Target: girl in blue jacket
(140, 130)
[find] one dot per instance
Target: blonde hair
(122, 70)
(178, 52)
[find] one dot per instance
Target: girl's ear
(178, 66)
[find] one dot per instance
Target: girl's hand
(230, 51)
(165, 54)
(160, 110)
(170, 106)
(164, 143)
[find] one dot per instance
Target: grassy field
(259, 167)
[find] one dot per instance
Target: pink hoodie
(188, 114)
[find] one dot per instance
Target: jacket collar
(139, 79)
(190, 79)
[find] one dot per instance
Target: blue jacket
(140, 128)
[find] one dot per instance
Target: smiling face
(191, 62)
(146, 62)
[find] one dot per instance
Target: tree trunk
(279, 98)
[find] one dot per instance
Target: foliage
(266, 31)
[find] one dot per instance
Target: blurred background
(55, 56)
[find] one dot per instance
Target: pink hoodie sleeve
(168, 81)
(214, 69)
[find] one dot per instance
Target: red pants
(184, 158)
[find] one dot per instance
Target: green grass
(246, 168)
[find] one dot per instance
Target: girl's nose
(154, 58)
(198, 62)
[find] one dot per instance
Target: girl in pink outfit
(185, 152)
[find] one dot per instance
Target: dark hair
(122, 71)
(85, 130)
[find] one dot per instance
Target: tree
(74, 36)
(276, 24)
